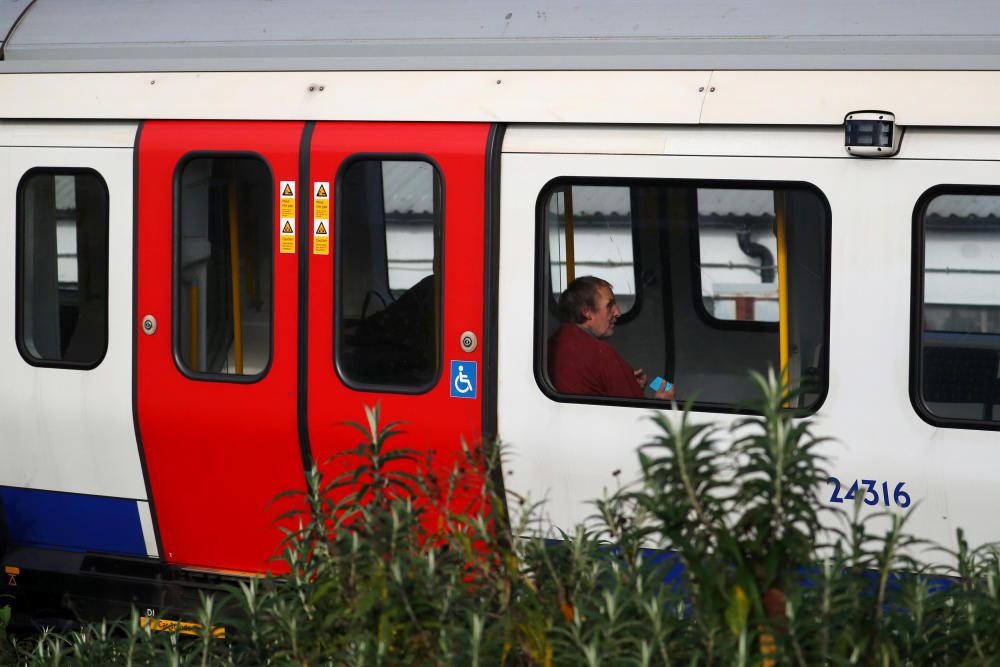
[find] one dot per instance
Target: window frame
(175, 266)
(437, 182)
(19, 263)
(918, 246)
(540, 290)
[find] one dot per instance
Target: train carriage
(229, 226)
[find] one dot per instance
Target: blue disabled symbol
(463, 379)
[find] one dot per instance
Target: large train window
(388, 277)
(62, 237)
(223, 266)
(957, 362)
(734, 277)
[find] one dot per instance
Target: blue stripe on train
(72, 521)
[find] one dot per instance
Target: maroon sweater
(582, 364)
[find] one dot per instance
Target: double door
(289, 274)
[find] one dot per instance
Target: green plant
(392, 563)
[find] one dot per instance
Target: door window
(223, 289)
(388, 279)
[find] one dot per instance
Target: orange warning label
(321, 190)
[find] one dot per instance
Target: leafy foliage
(721, 554)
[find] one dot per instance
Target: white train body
(876, 279)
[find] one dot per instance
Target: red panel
(434, 421)
(217, 452)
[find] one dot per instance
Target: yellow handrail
(783, 322)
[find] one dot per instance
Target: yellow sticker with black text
(286, 219)
(321, 218)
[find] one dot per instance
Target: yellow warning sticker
(287, 206)
(286, 222)
(321, 218)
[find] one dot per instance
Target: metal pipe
(757, 251)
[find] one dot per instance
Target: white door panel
(66, 429)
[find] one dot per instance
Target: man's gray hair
(580, 294)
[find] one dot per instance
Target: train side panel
(863, 275)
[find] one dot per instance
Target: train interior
(711, 281)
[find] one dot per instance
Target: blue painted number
(899, 498)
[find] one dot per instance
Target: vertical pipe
(784, 323)
(568, 226)
(234, 268)
(194, 313)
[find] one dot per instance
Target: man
(581, 361)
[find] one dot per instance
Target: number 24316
(870, 488)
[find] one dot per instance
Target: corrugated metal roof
(964, 206)
(614, 201)
(216, 35)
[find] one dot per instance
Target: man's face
(601, 320)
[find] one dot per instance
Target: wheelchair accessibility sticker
(463, 379)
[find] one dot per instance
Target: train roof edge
(400, 35)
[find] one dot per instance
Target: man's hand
(665, 395)
(640, 377)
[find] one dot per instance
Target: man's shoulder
(570, 331)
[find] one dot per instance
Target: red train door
(396, 283)
(217, 334)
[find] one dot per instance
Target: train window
(62, 268)
(958, 365)
(705, 253)
(590, 231)
(223, 266)
(737, 246)
(388, 278)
